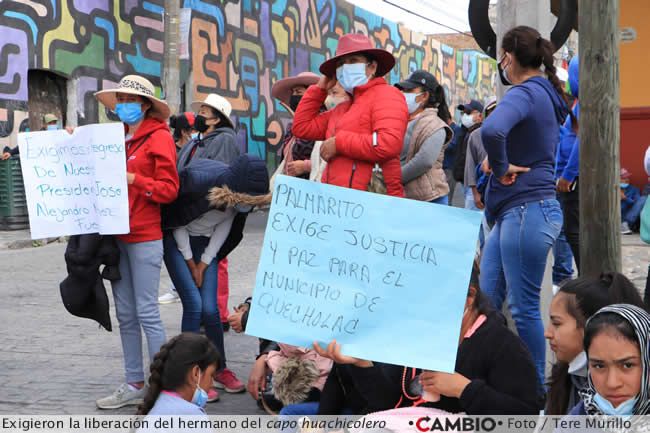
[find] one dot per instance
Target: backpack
(461, 154)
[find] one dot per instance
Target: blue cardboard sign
(386, 277)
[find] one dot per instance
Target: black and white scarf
(640, 321)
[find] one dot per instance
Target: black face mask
(294, 100)
(502, 75)
(199, 124)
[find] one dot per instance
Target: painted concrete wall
(238, 48)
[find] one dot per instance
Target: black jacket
(361, 390)
(83, 292)
(504, 381)
(461, 152)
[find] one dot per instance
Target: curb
(29, 243)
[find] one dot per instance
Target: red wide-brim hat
(358, 44)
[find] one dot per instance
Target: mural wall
(238, 48)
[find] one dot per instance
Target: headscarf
(639, 319)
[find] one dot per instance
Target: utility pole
(600, 201)
(171, 74)
(513, 13)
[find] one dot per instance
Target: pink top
(477, 324)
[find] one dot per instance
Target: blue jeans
(441, 200)
(563, 263)
(199, 304)
(309, 408)
(469, 199)
(631, 217)
(513, 264)
(136, 303)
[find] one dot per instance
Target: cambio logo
(455, 424)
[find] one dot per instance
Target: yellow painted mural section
(635, 55)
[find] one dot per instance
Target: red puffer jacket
(369, 129)
(151, 155)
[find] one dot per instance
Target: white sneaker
(169, 298)
(125, 395)
(625, 229)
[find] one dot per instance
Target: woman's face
(298, 90)
(123, 98)
(562, 332)
(371, 67)
(211, 118)
(615, 366)
(422, 94)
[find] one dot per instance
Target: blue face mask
(129, 112)
(195, 135)
(623, 409)
(351, 75)
(200, 397)
(411, 102)
(624, 185)
(52, 127)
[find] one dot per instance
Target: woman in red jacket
(152, 180)
(365, 131)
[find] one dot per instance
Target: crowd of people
(516, 161)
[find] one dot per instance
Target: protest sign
(386, 277)
(75, 183)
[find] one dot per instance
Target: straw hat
(135, 85)
(217, 102)
(282, 88)
(358, 44)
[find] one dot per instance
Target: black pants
(570, 202)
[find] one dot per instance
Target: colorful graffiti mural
(238, 49)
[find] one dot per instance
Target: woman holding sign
(520, 137)
(367, 130)
(152, 180)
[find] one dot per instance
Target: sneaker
(213, 395)
(625, 229)
(169, 298)
(125, 395)
(226, 380)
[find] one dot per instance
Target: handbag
(645, 222)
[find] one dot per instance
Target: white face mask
(467, 120)
(411, 103)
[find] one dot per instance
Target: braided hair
(172, 363)
(532, 51)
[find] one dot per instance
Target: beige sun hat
(217, 102)
(282, 88)
(135, 85)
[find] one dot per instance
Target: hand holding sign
(333, 352)
(75, 180)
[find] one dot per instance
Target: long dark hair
(532, 51)
(481, 303)
(586, 295)
(171, 364)
(438, 101)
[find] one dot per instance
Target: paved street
(55, 363)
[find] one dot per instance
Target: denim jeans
(513, 264)
(199, 304)
(136, 303)
(469, 199)
(632, 215)
(563, 260)
(444, 200)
